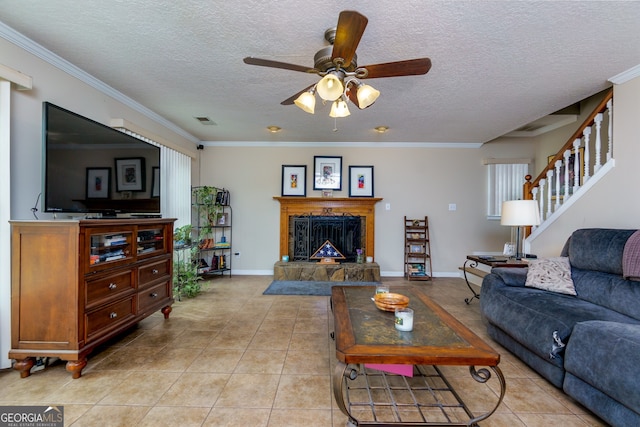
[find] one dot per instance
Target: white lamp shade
(339, 109)
(330, 88)
(307, 102)
(367, 95)
(520, 213)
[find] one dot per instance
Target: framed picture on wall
(327, 173)
(360, 181)
(130, 174)
(294, 180)
(98, 183)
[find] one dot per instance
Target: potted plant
(182, 235)
(209, 209)
(186, 281)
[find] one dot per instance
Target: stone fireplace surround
(298, 206)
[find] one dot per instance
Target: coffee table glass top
(366, 334)
(372, 326)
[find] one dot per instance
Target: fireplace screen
(307, 233)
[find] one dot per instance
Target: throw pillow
(551, 274)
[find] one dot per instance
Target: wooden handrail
(529, 185)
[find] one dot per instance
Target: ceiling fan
(338, 67)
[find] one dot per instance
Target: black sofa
(587, 344)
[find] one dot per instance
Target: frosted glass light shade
(339, 109)
(307, 102)
(367, 95)
(520, 213)
(330, 88)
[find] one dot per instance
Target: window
(505, 181)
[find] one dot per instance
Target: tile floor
(234, 357)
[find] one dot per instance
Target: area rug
(296, 287)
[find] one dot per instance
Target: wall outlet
(452, 206)
(388, 206)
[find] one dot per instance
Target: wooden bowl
(390, 301)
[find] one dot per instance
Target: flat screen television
(91, 168)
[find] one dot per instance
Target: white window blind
(505, 181)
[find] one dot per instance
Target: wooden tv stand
(76, 284)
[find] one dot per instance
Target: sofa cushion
(606, 355)
(551, 274)
(608, 290)
(541, 321)
(598, 249)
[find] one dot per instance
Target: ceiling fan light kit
(339, 108)
(337, 65)
(306, 101)
(330, 87)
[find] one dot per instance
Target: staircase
(583, 160)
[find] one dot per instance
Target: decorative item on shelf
(518, 214)
(327, 253)
(359, 256)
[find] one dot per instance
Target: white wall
(414, 181)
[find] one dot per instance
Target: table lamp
(520, 213)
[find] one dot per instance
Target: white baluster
(542, 184)
(598, 123)
(586, 133)
(534, 193)
(576, 165)
(558, 165)
(609, 140)
(549, 191)
(567, 165)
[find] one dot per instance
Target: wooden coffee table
(364, 335)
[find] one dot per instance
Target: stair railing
(571, 167)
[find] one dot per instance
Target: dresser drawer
(102, 320)
(153, 296)
(108, 287)
(152, 272)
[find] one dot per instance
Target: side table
(471, 264)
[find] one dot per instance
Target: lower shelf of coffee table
(376, 398)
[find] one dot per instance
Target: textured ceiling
(497, 65)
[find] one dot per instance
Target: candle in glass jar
(404, 319)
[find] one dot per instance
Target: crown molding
(46, 55)
(342, 144)
(625, 76)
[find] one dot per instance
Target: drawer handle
(112, 286)
(153, 295)
(113, 315)
(154, 271)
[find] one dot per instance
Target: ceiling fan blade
(352, 93)
(410, 67)
(276, 64)
(351, 25)
(289, 101)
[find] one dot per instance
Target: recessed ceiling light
(206, 121)
(381, 129)
(274, 129)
